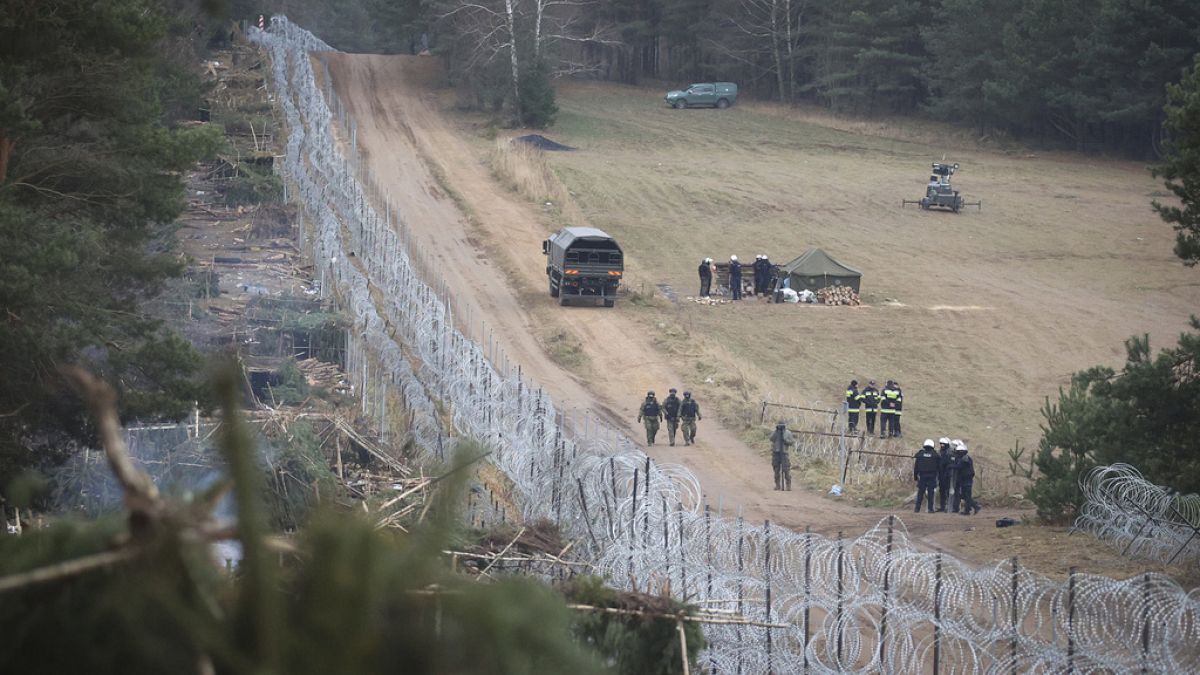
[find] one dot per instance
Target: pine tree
(90, 185)
(1182, 166)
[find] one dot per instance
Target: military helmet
(687, 394)
(672, 390)
(649, 394)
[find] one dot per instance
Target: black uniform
(853, 403)
(966, 482)
(761, 271)
(890, 402)
(766, 276)
(705, 279)
(870, 403)
(945, 477)
(670, 408)
(926, 467)
(899, 412)
(735, 279)
(952, 472)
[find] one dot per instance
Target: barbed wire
(858, 604)
(1145, 520)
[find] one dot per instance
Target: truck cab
(583, 262)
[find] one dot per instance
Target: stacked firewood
(838, 295)
(322, 374)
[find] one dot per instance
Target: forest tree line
(1089, 75)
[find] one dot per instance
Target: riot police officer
(926, 467)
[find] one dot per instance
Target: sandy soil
(478, 234)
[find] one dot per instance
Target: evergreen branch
(66, 569)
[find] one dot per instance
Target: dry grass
(523, 169)
(1064, 262)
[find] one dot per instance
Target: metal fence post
(1071, 621)
(937, 614)
(1014, 618)
(887, 578)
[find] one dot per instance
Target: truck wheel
(723, 103)
(680, 104)
(609, 303)
(553, 289)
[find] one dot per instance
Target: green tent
(816, 269)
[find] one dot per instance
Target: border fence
(1145, 520)
(863, 604)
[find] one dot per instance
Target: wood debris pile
(838, 295)
(324, 375)
(709, 301)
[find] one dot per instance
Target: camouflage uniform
(689, 412)
(670, 408)
(781, 440)
(649, 414)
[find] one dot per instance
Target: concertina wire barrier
(1143, 519)
(847, 605)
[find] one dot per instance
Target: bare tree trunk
(512, 50)
(537, 30)
(791, 52)
(6, 147)
(775, 47)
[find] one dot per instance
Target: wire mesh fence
(870, 603)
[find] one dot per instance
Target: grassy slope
(1064, 262)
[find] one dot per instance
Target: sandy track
(406, 141)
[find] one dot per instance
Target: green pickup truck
(715, 94)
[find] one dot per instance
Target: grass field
(993, 311)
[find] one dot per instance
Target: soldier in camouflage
(781, 440)
(670, 409)
(650, 414)
(689, 412)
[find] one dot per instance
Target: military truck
(583, 262)
(715, 94)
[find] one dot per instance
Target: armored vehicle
(583, 262)
(939, 193)
(715, 94)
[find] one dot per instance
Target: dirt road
(470, 234)
(485, 242)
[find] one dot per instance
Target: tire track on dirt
(408, 146)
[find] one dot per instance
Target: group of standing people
(888, 403)
(950, 471)
(761, 269)
(676, 412)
